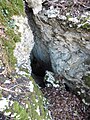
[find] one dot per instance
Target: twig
(18, 85)
(86, 7)
(8, 90)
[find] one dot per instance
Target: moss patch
(24, 69)
(29, 105)
(87, 80)
(37, 95)
(9, 46)
(8, 8)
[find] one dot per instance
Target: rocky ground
(74, 7)
(64, 105)
(20, 97)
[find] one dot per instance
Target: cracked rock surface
(66, 47)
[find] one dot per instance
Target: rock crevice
(64, 50)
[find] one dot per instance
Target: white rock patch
(38, 111)
(74, 20)
(23, 48)
(36, 5)
(49, 77)
(3, 104)
(31, 86)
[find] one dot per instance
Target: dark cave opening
(38, 65)
(39, 69)
(38, 72)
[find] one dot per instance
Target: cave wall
(66, 49)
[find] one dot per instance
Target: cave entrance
(38, 70)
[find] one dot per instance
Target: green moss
(37, 95)
(9, 45)
(87, 80)
(8, 8)
(1, 94)
(24, 69)
(25, 108)
(29, 99)
(83, 22)
(86, 26)
(19, 111)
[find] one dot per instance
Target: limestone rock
(36, 5)
(66, 48)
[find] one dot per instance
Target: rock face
(33, 104)
(20, 97)
(23, 68)
(36, 5)
(66, 49)
(23, 48)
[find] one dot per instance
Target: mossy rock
(87, 80)
(30, 105)
(36, 109)
(8, 8)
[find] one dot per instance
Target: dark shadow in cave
(38, 70)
